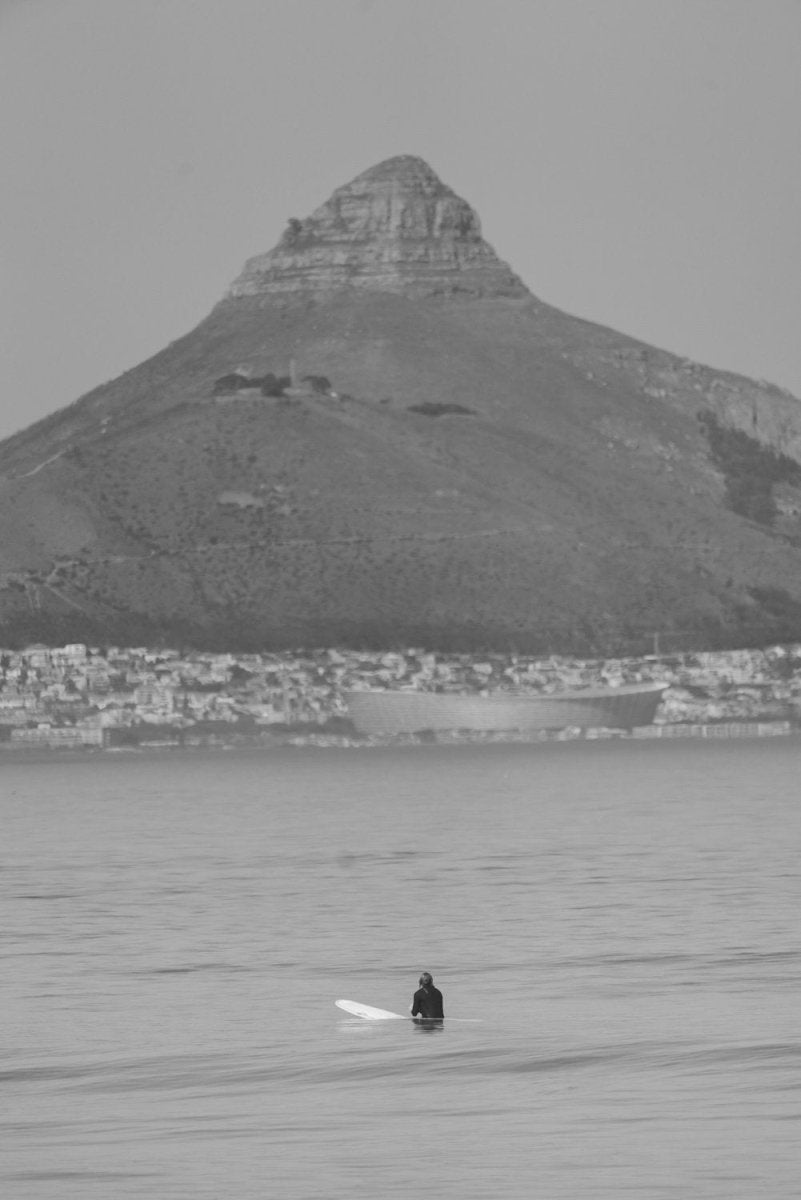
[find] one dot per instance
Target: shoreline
(679, 731)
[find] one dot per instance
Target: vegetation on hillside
(750, 470)
(779, 613)
(269, 384)
(430, 409)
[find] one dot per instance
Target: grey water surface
(623, 917)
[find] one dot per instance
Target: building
(58, 736)
(394, 712)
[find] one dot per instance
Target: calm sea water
(623, 919)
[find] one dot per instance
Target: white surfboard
(368, 1012)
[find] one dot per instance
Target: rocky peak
(396, 227)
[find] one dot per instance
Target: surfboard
(368, 1012)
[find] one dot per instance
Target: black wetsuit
(428, 1003)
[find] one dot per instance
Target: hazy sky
(638, 162)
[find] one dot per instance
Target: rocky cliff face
(396, 227)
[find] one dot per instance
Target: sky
(637, 162)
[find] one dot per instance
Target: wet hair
(426, 979)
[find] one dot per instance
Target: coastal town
(104, 698)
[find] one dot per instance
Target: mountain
(379, 436)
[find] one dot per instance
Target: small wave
(625, 960)
(193, 968)
(164, 1071)
(73, 1176)
(47, 895)
(761, 1051)
(759, 957)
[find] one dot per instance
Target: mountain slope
(463, 466)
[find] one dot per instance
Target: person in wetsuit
(427, 1000)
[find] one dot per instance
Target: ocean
(616, 923)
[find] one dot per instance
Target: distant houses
(78, 695)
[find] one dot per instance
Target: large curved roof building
(392, 712)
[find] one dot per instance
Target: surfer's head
(426, 980)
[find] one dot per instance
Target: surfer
(427, 1000)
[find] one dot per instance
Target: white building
(56, 736)
(154, 696)
(72, 655)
